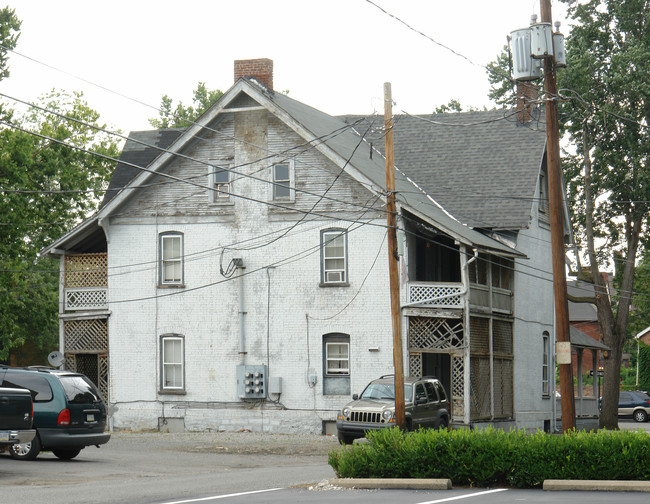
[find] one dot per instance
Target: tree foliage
(46, 187)
(604, 115)
(182, 116)
(608, 176)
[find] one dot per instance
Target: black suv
(69, 412)
(425, 401)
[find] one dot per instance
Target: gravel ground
(236, 443)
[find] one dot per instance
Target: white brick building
(254, 242)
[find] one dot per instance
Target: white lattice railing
(93, 298)
(447, 295)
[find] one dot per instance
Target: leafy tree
(452, 106)
(182, 116)
(46, 187)
(608, 74)
(9, 33)
(606, 117)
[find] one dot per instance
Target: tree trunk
(613, 330)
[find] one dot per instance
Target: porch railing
(92, 298)
(435, 295)
(86, 281)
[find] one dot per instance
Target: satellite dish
(55, 358)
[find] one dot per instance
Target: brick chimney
(527, 94)
(260, 69)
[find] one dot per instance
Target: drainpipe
(239, 263)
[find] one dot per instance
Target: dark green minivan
(69, 412)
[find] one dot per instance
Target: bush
(644, 366)
(493, 457)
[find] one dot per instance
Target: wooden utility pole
(557, 235)
(391, 217)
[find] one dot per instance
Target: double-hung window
(337, 358)
(220, 184)
(334, 267)
(172, 360)
(282, 186)
(336, 364)
(171, 259)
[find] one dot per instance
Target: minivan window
(37, 385)
(79, 389)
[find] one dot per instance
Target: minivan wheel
(640, 416)
(26, 451)
(66, 454)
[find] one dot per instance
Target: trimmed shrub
(644, 366)
(496, 458)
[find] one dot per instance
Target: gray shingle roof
(482, 167)
(419, 155)
(139, 150)
(348, 145)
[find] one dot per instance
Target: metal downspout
(242, 312)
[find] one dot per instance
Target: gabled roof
(139, 151)
(346, 148)
(482, 167)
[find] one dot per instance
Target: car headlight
(345, 412)
(387, 415)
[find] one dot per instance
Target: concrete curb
(597, 485)
(399, 483)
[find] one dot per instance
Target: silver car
(425, 400)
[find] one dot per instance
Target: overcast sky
(334, 55)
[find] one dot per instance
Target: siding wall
(287, 312)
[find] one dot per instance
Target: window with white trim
(334, 267)
(172, 362)
(283, 182)
(220, 184)
(336, 364)
(546, 382)
(337, 358)
(171, 258)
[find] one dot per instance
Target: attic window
(283, 181)
(220, 184)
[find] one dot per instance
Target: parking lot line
(215, 497)
(466, 496)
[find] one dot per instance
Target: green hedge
(644, 366)
(493, 457)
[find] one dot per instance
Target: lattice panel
(97, 371)
(457, 387)
(86, 299)
(70, 363)
(479, 334)
(480, 406)
(435, 333)
(503, 388)
(415, 364)
(86, 270)
(502, 337)
(86, 335)
(102, 360)
(440, 295)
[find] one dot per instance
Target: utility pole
(557, 235)
(391, 217)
